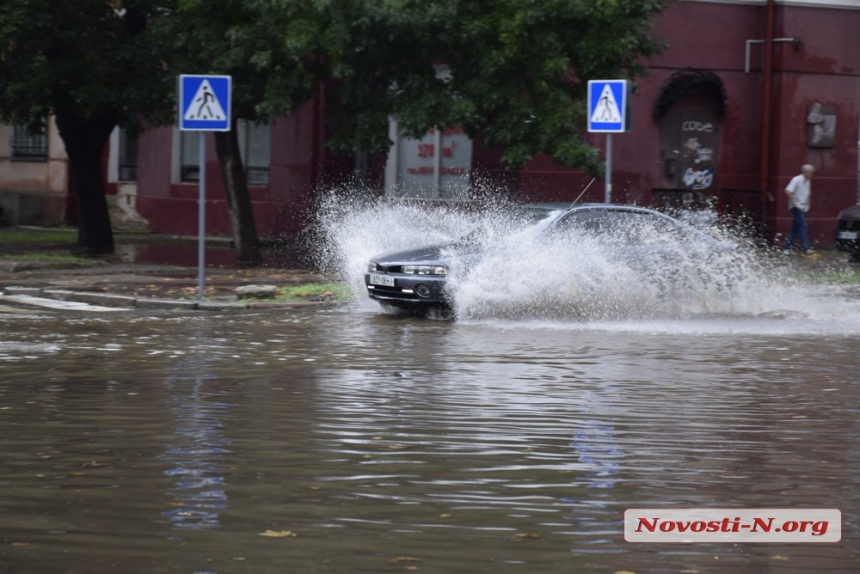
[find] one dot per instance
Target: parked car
(641, 238)
(848, 232)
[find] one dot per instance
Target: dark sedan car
(418, 278)
(848, 232)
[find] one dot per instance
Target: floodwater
(349, 440)
(353, 441)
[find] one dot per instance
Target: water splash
(522, 276)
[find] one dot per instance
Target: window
(127, 156)
(189, 156)
(437, 166)
(254, 147)
(28, 145)
(256, 151)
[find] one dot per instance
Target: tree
(87, 62)
(267, 49)
(515, 72)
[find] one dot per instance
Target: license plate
(385, 280)
(847, 235)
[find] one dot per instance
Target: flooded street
(348, 440)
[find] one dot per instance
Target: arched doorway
(689, 110)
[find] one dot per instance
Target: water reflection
(479, 448)
(197, 454)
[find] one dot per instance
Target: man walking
(799, 191)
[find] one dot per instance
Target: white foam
(527, 281)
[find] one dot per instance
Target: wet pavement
(343, 439)
(346, 440)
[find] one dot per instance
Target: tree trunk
(85, 141)
(238, 198)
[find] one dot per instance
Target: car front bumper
(408, 290)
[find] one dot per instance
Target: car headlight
(371, 266)
(424, 270)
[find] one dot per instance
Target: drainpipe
(766, 95)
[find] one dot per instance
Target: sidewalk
(142, 285)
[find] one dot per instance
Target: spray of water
(521, 274)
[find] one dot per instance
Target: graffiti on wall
(821, 125)
(697, 153)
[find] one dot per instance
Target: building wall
(712, 36)
(299, 166)
(33, 191)
(825, 69)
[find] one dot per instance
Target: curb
(155, 303)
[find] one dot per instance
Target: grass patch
(335, 291)
(45, 257)
(838, 277)
(18, 235)
(309, 292)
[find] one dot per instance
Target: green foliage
(513, 71)
(266, 47)
(518, 70)
(93, 53)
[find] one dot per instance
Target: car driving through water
(646, 242)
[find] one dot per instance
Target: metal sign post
(204, 106)
(608, 104)
(201, 220)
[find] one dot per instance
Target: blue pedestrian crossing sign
(204, 103)
(608, 103)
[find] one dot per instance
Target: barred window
(254, 147)
(127, 156)
(27, 145)
(256, 152)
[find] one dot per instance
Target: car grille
(848, 225)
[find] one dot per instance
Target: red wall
(713, 37)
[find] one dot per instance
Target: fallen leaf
(624, 572)
(20, 544)
(402, 446)
(412, 568)
(778, 557)
(406, 559)
(95, 464)
(278, 533)
(315, 487)
(444, 516)
(528, 535)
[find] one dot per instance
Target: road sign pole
(204, 106)
(608, 198)
(201, 220)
